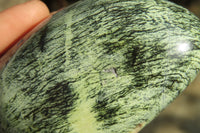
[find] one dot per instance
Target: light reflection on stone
(183, 47)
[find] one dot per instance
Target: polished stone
(100, 67)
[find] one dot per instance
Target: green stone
(100, 66)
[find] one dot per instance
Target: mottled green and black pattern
(100, 66)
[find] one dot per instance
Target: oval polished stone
(100, 67)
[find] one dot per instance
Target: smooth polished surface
(100, 67)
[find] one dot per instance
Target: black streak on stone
(42, 39)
